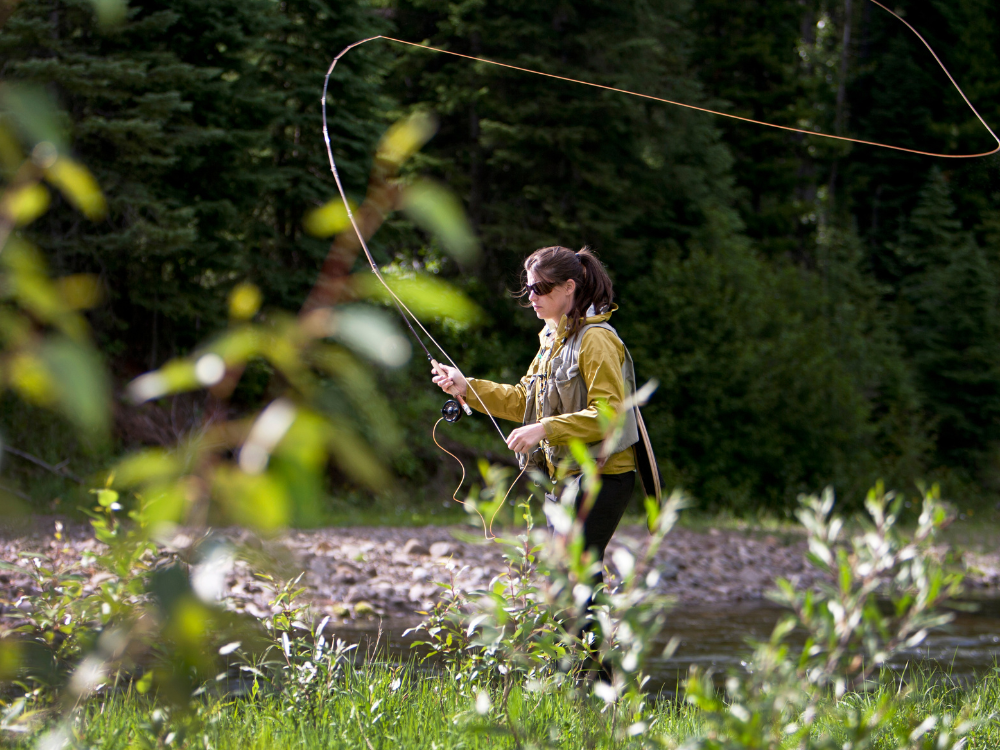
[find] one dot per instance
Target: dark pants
(609, 507)
(599, 526)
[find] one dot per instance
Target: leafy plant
(886, 588)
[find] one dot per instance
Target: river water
(717, 638)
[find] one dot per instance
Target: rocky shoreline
(359, 574)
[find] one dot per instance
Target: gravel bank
(360, 573)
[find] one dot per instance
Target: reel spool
(451, 411)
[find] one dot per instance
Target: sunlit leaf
(144, 683)
(190, 624)
(106, 498)
(28, 375)
(176, 376)
(406, 137)
(80, 291)
(299, 462)
(372, 333)
(438, 210)
(148, 466)
(329, 219)
(27, 204)
(237, 346)
(78, 186)
(426, 296)
(305, 440)
(258, 501)
(244, 301)
(164, 504)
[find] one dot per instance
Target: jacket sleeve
(600, 361)
(499, 399)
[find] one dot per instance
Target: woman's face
(552, 306)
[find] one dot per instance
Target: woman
(580, 363)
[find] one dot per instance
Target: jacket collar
(591, 318)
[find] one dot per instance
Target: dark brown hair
(557, 265)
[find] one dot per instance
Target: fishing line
(487, 529)
(705, 109)
(408, 315)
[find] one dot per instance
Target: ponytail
(594, 288)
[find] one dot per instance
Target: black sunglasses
(541, 288)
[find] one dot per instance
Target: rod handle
(465, 407)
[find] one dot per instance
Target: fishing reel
(453, 407)
(451, 411)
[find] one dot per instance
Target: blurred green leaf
(34, 113)
(80, 383)
(28, 375)
(355, 458)
(360, 387)
(11, 155)
(110, 13)
(27, 204)
(406, 137)
(78, 186)
(372, 333)
(299, 462)
(164, 504)
(144, 683)
(29, 283)
(106, 498)
(80, 291)
(438, 210)
(255, 500)
(268, 429)
(244, 301)
(238, 345)
(148, 466)
(305, 440)
(10, 658)
(426, 296)
(329, 219)
(176, 376)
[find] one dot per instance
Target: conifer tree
(200, 121)
(949, 324)
(769, 61)
(544, 162)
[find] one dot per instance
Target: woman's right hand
(450, 380)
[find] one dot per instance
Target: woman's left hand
(523, 439)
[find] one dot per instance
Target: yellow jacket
(600, 360)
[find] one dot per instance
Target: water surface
(717, 638)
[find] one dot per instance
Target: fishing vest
(563, 391)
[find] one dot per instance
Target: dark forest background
(815, 312)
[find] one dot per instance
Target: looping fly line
(716, 112)
(405, 311)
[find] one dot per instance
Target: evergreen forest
(815, 312)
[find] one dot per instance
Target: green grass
(378, 705)
(925, 692)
